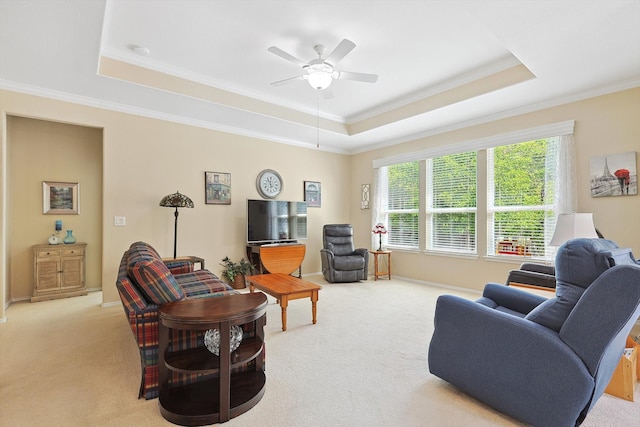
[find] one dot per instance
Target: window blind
(521, 203)
(451, 203)
(402, 207)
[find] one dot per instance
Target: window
(521, 197)
(400, 207)
(451, 203)
(429, 199)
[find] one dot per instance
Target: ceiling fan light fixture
(319, 79)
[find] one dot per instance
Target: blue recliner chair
(542, 361)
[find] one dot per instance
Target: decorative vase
(69, 239)
(54, 239)
(212, 339)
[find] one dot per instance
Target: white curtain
(565, 189)
(566, 183)
(380, 196)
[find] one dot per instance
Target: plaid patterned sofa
(144, 282)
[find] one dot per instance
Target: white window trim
(539, 132)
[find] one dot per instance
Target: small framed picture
(365, 196)
(312, 194)
(60, 198)
(217, 188)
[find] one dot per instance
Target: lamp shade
(573, 226)
(176, 200)
(379, 229)
(319, 80)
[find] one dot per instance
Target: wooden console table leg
(284, 303)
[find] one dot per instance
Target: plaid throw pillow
(155, 280)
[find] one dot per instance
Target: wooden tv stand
(277, 258)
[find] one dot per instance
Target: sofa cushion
(201, 283)
(154, 279)
(207, 288)
(140, 250)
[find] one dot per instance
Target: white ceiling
(441, 65)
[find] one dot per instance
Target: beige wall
(39, 151)
(603, 125)
(145, 159)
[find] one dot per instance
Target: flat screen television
(275, 221)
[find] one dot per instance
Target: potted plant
(235, 272)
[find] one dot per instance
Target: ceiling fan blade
(360, 77)
(286, 81)
(340, 52)
(282, 54)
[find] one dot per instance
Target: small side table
(376, 272)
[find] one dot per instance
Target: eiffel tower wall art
(614, 175)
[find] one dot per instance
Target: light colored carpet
(72, 362)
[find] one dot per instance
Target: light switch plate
(119, 220)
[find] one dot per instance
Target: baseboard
(439, 285)
(110, 304)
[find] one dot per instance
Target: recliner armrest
(327, 252)
(511, 298)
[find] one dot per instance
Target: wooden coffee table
(284, 288)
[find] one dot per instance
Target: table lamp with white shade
(573, 226)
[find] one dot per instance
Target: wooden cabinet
(226, 385)
(58, 271)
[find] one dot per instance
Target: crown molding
(127, 109)
(531, 108)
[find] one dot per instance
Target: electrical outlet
(119, 220)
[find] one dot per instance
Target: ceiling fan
(321, 72)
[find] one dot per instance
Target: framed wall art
(217, 188)
(614, 175)
(364, 196)
(60, 198)
(313, 194)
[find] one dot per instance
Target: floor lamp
(176, 200)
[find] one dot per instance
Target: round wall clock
(269, 183)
